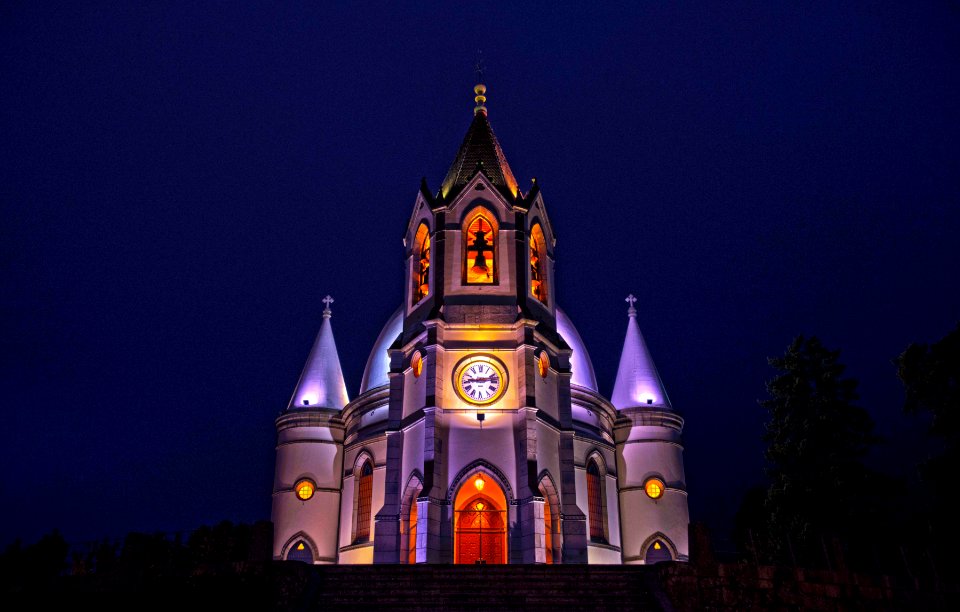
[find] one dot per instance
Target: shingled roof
(480, 146)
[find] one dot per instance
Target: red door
(481, 537)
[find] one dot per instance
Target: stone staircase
(488, 588)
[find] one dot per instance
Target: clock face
(480, 380)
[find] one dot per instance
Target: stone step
(451, 587)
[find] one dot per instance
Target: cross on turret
(326, 303)
(632, 311)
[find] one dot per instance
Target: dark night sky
(180, 185)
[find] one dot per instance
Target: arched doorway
(480, 535)
(657, 552)
(300, 551)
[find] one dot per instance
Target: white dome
(580, 364)
(378, 364)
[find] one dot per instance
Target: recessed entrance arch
(480, 519)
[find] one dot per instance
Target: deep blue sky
(181, 184)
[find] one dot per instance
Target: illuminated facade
(479, 434)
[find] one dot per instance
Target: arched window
(595, 500)
(548, 531)
(657, 552)
(538, 264)
(421, 263)
(480, 250)
(364, 489)
(412, 534)
(551, 522)
(300, 552)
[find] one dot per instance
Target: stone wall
(749, 587)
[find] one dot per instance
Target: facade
(479, 434)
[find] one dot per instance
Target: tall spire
(480, 150)
(638, 383)
(321, 384)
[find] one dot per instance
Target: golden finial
(480, 90)
(480, 98)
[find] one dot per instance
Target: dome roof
(378, 364)
(580, 363)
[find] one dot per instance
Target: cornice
(310, 417)
(643, 416)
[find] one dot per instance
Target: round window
(654, 488)
(543, 364)
(417, 364)
(304, 489)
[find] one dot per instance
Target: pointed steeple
(321, 383)
(480, 150)
(638, 383)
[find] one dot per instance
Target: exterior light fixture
(479, 483)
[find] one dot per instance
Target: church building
(479, 434)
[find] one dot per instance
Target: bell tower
(480, 378)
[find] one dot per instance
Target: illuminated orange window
(304, 489)
(548, 531)
(364, 501)
(538, 264)
(595, 500)
(543, 364)
(412, 534)
(654, 488)
(416, 363)
(421, 263)
(481, 250)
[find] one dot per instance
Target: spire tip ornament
(326, 306)
(632, 311)
(480, 90)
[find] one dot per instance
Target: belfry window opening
(421, 264)
(538, 268)
(480, 254)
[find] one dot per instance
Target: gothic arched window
(421, 263)
(364, 489)
(480, 252)
(538, 264)
(595, 501)
(412, 534)
(548, 531)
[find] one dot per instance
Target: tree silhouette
(931, 380)
(817, 439)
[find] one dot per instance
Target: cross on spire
(326, 305)
(479, 66)
(632, 311)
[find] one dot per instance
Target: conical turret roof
(480, 146)
(638, 383)
(321, 384)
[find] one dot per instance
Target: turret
(306, 489)
(650, 477)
